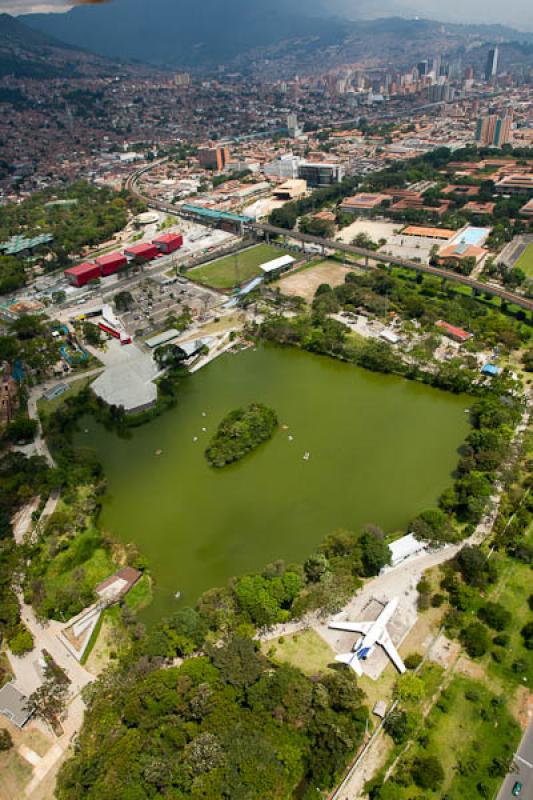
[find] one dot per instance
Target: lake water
(381, 450)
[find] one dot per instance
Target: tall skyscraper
(493, 130)
(491, 67)
(293, 128)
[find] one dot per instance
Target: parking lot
(155, 300)
(411, 247)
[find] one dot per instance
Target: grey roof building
(13, 705)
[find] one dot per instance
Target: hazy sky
(518, 13)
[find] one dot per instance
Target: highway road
(523, 770)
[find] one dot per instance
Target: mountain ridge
(185, 35)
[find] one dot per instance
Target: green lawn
(466, 730)
(306, 651)
(47, 407)
(525, 262)
(512, 590)
(140, 595)
(225, 273)
(72, 574)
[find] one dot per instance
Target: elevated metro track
(426, 269)
(478, 287)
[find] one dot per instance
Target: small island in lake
(240, 432)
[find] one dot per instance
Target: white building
(277, 265)
(285, 166)
(404, 548)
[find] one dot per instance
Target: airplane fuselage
(372, 633)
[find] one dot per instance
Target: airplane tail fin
(351, 660)
(344, 658)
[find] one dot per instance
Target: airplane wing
(386, 642)
(352, 627)
(351, 660)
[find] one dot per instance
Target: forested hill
(29, 53)
(183, 31)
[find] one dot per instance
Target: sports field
(525, 262)
(230, 271)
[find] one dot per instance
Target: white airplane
(373, 633)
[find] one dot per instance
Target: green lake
(380, 450)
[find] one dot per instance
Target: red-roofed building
(474, 207)
(82, 274)
(527, 209)
(363, 202)
(111, 263)
(143, 252)
(168, 242)
(457, 334)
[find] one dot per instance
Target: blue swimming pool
(472, 236)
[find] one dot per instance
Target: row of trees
(21, 479)
(277, 594)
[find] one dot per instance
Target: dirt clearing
(305, 282)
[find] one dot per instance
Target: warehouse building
(455, 333)
(406, 547)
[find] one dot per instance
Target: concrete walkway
(28, 677)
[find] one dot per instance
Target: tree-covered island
(240, 432)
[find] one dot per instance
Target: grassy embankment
(525, 262)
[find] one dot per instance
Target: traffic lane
(522, 770)
(523, 775)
